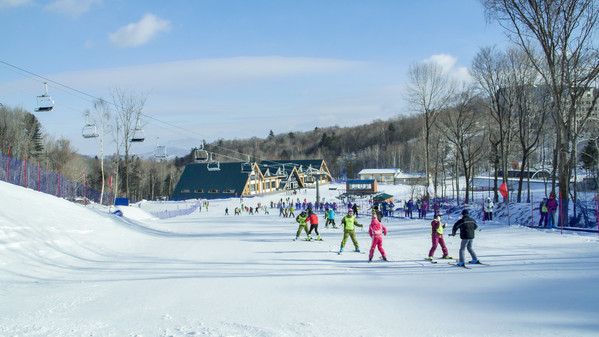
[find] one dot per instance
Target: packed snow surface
(74, 270)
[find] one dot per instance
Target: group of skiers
(466, 225)
(547, 208)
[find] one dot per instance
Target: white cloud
(73, 8)
(13, 3)
(139, 33)
(449, 65)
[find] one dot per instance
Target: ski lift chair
(246, 167)
(200, 155)
(138, 136)
(213, 165)
(160, 151)
(89, 131)
(45, 102)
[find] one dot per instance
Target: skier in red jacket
(376, 231)
(313, 220)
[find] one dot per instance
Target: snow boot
(460, 264)
(358, 250)
(384, 258)
(341, 249)
(447, 257)
(430, 258)
(474, 261)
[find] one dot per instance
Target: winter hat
(465, 212)
(350, 212)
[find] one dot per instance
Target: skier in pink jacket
(376, 231)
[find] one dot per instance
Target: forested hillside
(347, 150)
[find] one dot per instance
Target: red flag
(503, 190)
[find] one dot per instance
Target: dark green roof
(382, 197)
(198, 182)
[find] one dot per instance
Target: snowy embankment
(69, 270)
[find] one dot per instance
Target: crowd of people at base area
(288, 207)
(248, 209)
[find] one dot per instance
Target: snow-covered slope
(70, 270)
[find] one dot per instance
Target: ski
(457, 265)
(353, 251)
(483, 264)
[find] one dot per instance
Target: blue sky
(230, 69)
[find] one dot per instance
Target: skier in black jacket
(467, 226)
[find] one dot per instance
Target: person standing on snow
(552, 208)
(376, 232)
(332, 218)
(313, 220)
(379, 214)
(488, 209)
(301, 219)
(467, 226)
(543, 210)
(349, 222)
(437, 237)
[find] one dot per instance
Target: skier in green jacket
(348, 222)
(301, 219)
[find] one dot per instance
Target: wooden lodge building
(226, 180)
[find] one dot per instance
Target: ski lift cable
(59, 85)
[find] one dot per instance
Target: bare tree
(565, 32)
(128, 113)
(101, 119)
(462, 128)
(530, 107)
(428, 92)
(491, 70)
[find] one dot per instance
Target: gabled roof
(301, 165)
(198, 182)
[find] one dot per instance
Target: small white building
(384, 176)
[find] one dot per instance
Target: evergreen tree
(590, 156)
